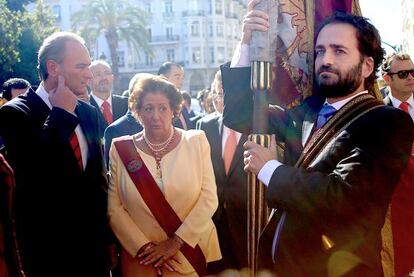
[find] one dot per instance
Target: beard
(344, 85)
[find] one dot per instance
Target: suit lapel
(36, 103)
(84, 122)
(218, 132)
(307, 127)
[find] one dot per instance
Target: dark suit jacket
(343, 195)
(119, 108)
(125, 125)
(231, 215)
(60, 209)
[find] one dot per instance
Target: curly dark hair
(154, 84)
(368, 37)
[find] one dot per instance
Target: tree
(37, 26)
(117, 20)
(11, 24)
(21, 35)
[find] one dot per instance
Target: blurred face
(75, 67)
(400, 88)
(17, 91)
(102, 79)
(218, 97)
(156, 115)
(339, 68)
(176, 76)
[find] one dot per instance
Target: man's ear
(53, 68)
(387, 78)
(367, 66)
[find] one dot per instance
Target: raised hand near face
(62, 97)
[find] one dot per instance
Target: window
(210, 29)
(220, 55)
(121, 59)
(212, 60)
(219, 7)
(169, 32)
(219, 29)
(195, 29)
(57, 13)
(196, 58)
(168, 6)
(147, 7)
(170, 55)
(149, 34)
(148, 59)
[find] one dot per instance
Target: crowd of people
(94, 183)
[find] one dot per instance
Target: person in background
(14, 87)
(205, 101)
(110, 106)
(398, 248)
(125, 125)
(227, 157)
(183, 200)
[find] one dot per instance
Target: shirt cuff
(265, 174)
(241, 56)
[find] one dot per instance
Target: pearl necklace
(158, 153)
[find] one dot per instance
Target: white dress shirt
(42, 93)
(396, 103)
(99, 101)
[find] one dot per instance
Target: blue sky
(386, 16)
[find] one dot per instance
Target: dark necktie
(325, 113)
(74, 143)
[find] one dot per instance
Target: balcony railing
(194, 13)
(164, 38)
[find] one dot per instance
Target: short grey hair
(53, 48)
(102, 62)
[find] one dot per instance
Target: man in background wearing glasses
(398, 73)
(110, 107)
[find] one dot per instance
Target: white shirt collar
(99, 101)
(340, 104)
(396, 102)
(42, 93)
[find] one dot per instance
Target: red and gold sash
(155, 200)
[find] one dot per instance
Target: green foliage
(11, 24)
(33, 29)
(117, 20)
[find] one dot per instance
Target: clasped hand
(161, 254)
(256, 156)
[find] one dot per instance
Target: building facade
(407, 9)
(198, 34)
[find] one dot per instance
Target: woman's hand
(161, 253)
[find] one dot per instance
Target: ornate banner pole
(262, 55)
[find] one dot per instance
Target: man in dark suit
(110, 107)
(53, 146)
(398, 73)
(227, 158)
(332, 188)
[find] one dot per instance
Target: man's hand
(254, 20)
(255, 156)
(62, 97)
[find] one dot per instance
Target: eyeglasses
(403, 74)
